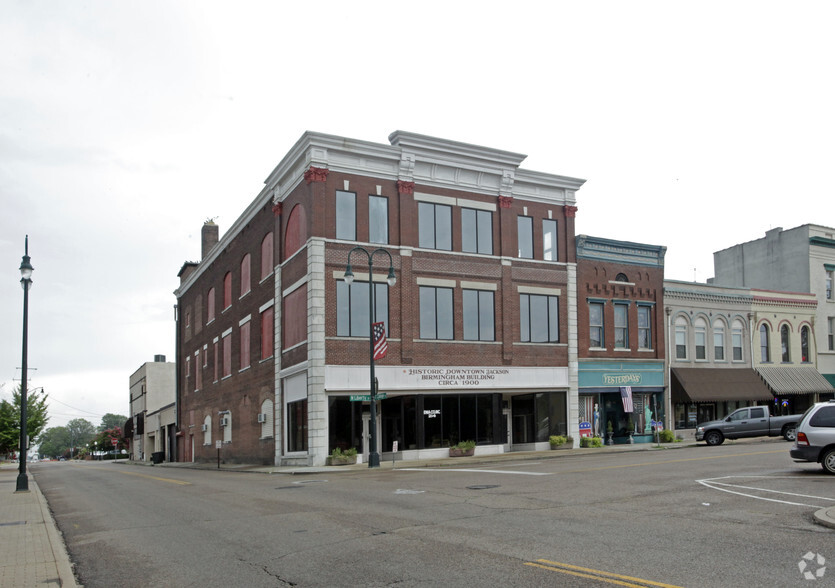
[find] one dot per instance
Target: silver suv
(816, 436)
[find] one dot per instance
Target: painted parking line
(716, 484)
(473, 470)
(599, 575)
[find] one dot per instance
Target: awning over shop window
(717, 385)
(785, 380)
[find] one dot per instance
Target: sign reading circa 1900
(394, 378)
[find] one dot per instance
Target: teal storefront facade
(601, 403)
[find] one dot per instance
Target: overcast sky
(124, 125)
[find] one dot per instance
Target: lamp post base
(373, 459)
(23, 482)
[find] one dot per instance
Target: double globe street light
(373, 455)
(26, 282)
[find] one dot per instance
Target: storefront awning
(784, 380)
(717, 385)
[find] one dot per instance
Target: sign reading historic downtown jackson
(394, 378)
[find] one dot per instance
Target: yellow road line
(668, 461)
(172, 481)
(593, 574)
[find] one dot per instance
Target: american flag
(626, 396)
(381, 346)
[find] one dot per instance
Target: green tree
(82, 432)
(103, 441)
(36, 419)
(55, 442)
(111, 421)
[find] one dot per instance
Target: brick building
(621, 342)
(273, 343)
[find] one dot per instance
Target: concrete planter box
(453, 452)
(338, 461)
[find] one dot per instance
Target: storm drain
(482, 486)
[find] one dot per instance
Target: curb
(826, 517)
(56, 541)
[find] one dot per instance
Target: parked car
(816, 436)
(752, 421)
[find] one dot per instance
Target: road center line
(472, 470)
(157, 478)
(600, 575)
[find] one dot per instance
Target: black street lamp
(26, 282)
(373, 455)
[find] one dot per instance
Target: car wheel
(714, 438)
(828, 461)
(790, 432)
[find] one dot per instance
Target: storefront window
(297, 425)
(538, 416)
(345, 419)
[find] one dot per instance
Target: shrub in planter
(666, 436)
(591, 442)
(339, 457)
(557, 441)
(462, 449)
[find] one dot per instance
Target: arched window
(804, 344)
(210, 306)
(719, 340)
(267, 256)
(246, 274)
(737, 339)
(296, 232)
(765, 356)
(700, 337)
(784, 343)
(681, 338)
(207, 430)
(227, 290)
(621, 278)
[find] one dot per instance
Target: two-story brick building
(273, 342)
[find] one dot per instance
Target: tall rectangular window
(346, 215)
(434, 226)
(621, 326)
(524, 234)
(831, 336)
(227, 354)
(539, 318)
(549, 240)
(378, 219)
(718, 343)
(245, 345)
(217, 360)
(644, 327)
(352, 318)
(477, 231)
(479, 315)
(198, 371)
(596, 325)
(210, 306)
(297, 425)
(267, 333)
(830, 278)
(736, 340)
(436, 316)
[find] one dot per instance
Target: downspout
(178, 367)
(668, 396)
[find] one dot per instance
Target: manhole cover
(482, 486)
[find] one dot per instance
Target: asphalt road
(735, 515)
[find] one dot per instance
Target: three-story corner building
(481, 326)
(621, 341)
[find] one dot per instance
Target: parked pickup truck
(754, 421)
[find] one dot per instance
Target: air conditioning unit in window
(262, 417)
(224, 422)
(204, 428)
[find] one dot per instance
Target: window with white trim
(436, 317)
(539, 318)
(621, 325)
(346, 215)
(479, 315)
(476, 231)
(434, 226)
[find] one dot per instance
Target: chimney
(209, 236)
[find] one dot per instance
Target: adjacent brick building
(481, 323)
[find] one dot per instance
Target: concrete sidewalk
(32, 551)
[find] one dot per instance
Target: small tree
(112, 421)
(36, 419)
